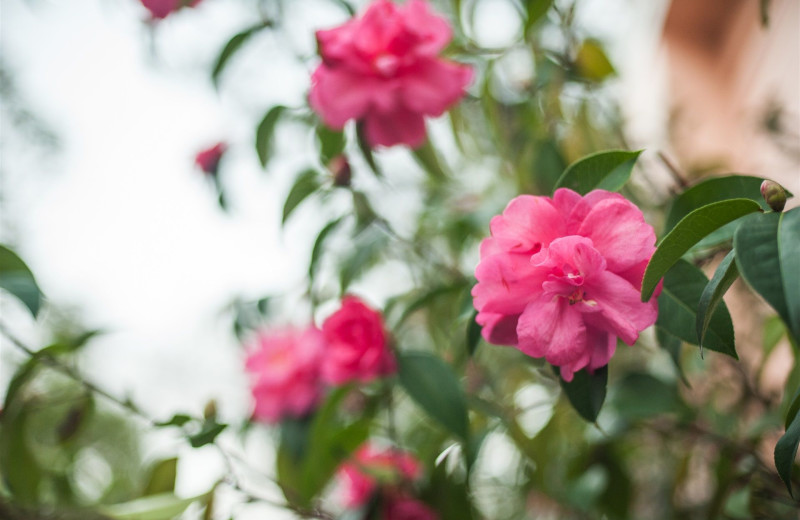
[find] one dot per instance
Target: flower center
(386, 64)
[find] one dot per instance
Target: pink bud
(208, 159)
(340, 168)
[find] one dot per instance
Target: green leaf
(586, 392)
(535, 10)
(473, 334)
(768, 256)
(208, 432)
(330, 142)
(365, 215)
(677, 310)
(793, 409)
(179, 419)
(233, 45)
(689, 231)
(164, 506)
(162, 477)
(712, 190)
(433, 385)
(306, 183)
(592, 62)
(786, 452)
(16, 278)
(723, 277)
(319, 247)
(265, 133)
(366, 149)
(330, 442)
(608, 170)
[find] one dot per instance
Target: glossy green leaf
(17, 278)
(164, 506)
(688, 232)
(793, 410)
(608, 170)
(319, 247)
(473, 334)
(586, 392)
(677, 310)
(786, 452)
(768, 256)
(433, 385)
(266, 132)
(306, 183)
(233, 45)
(162, 477)
(330, 142)
(712, 190)
(592, 63)
(723, 277)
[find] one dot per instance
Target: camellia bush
(521, 244)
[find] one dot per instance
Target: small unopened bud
(774, 195)
(208, 159)
(210, 410)
(340, 168)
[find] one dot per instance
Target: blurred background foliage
(679, 436)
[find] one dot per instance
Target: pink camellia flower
(208, 159)
(357, 346)
(406, 508)
(160, 9)
(285, 369)
(372, 468)
(383, 69)
(559, 278)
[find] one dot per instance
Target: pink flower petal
(527, 224)
(552, 329)
(398, 127)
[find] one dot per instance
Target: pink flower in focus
(406, 508)
(160, 9)
(357, 347)
(371, 468)
(383, 69)
(208, 159)
(559, 278)
(284, 365)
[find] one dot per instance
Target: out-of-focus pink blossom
(406, 508)
(383, 68)
(559, 278)
(371, 468)
(284, 366)
(160, 9)
(357, 347)
(208, 159)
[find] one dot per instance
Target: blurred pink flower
(284, 367)
(208, 159)
(160, 9)
(371, 468)
(406, 508)
(357, 347)
(559, 278)
(383, 69)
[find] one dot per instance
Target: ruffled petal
(506, 283)
(621, 311)
(552, 329)
(338, 95)
(527, 224)
(398, 127)
(431, 85)
(498, 329)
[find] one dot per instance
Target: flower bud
(210, 410)
(208, 160)
(340, 168)
(774, 195)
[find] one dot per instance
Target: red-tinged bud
(208, 159)
(774, 195)
(340, 168)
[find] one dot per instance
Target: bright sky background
(119, 226)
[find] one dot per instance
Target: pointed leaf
(473, 334)
(330, 142)
(592, 62)
(233, 45)
(689, 231)
(366, 149)
(677, 310)
(723, 277)
(586, 392)
(433, 385)
(17, 278)
(786, 452)
(305, 184)
(768, 257)
(608, 170)
(265, 133)
(319, 246)
(162, 477)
